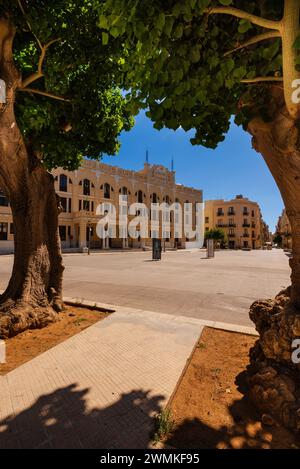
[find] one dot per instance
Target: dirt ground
(29, 344)
(209, 408)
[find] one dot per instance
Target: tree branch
(28, 24)
(44, 93)
(264, 23)
(255, 40)
(261, 79)
(39, 74)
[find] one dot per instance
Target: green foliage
(81, 67)
(164, 425)
(215, 233)
(176, 64)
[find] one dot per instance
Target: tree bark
(273, 377)
(33, 296)
(278, 142)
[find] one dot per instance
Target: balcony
(231, 235)
(221, 225)
(246, 213)
(253, 225)
(246, 225)
(230, 213)
(246, 235)
(220, 214)
(232, 225)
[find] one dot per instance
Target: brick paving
(101, 388)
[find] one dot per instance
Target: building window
(3, 231)
(231, 211)
(63, 183)
(220, 212)
(231, 221)
(86, 205)
(3, 200)
(63, 203)
(253, 213)
(123, 191)
(86, 187)
(106, 191)
(206, 219)
(11, 229)
(63, 232)
(154, 198)
(92, 204)
(140, 197)
(70, 205)
(80, 205)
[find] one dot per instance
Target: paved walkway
(100, 388)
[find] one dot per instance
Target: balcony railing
(232, 225)
(231, 235)
(246, 225)
(220, 214)
(246, 235)
(230, 213)
(246, 213)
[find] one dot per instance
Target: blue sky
(233, 168)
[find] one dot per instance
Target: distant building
(284, 230)
(93, 183)
(241, 220)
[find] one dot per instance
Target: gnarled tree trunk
(274, 382)
(33, 295)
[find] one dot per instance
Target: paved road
(183, 283)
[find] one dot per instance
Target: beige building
(284, 230)
(94, 183)
(240, 219)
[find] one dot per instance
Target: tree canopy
(196, 63)
(68, 104)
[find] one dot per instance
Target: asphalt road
(182, 283)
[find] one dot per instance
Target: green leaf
(103, 22)
(296, 44)
(104, 39)
(244, 26)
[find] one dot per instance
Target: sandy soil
(29, 344)
(209, 408)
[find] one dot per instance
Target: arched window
(154, 198)
(106, 190)
(140, 197)
(123, 191)
(63, 183)
(167, 199)
(86, 187)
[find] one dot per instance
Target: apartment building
(284, 230)
(240, 218)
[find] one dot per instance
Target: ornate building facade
(94, 183)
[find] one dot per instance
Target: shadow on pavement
(62, 419)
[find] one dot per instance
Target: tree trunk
(33, 295)
(274, 378)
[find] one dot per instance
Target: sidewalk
(100, 388)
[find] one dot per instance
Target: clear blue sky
(233, 168)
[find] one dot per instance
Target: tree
(217, 234)
(196, 63)
(62, 103)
